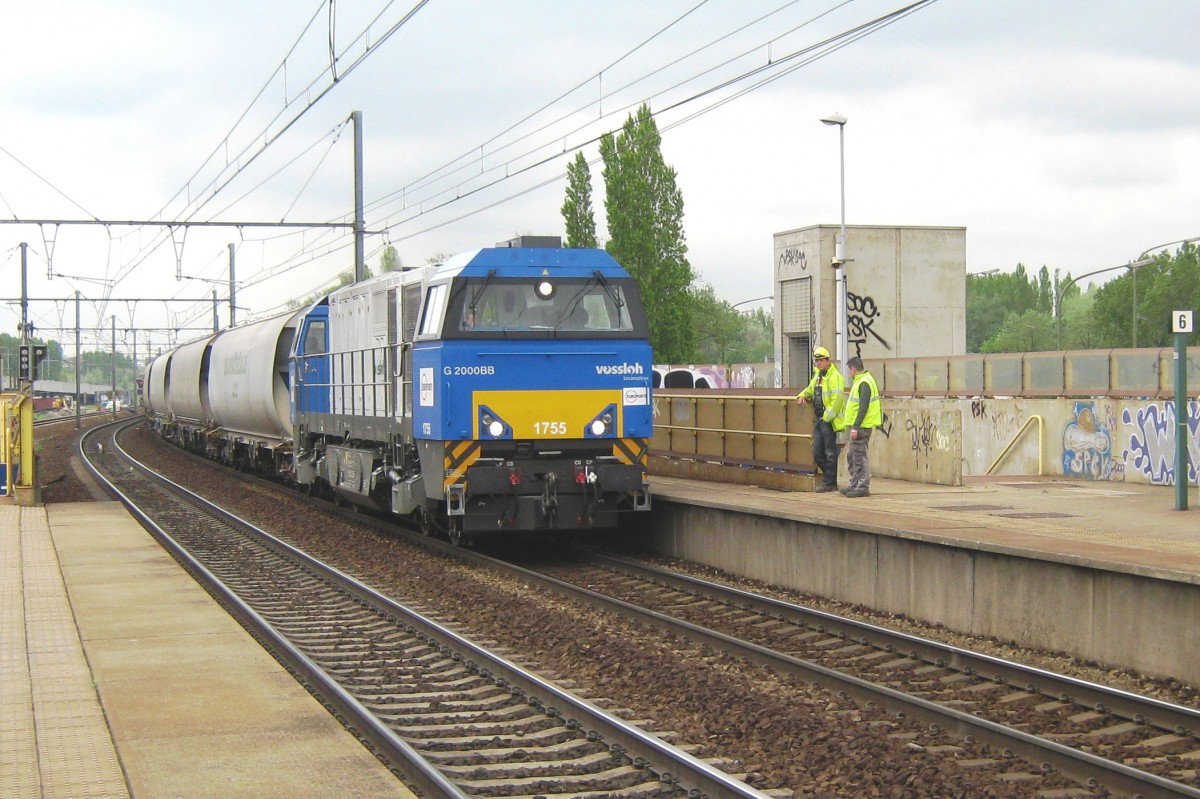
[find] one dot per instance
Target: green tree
(996, 301)
(990, 298)
(344, 279)
(1174, 286)
(1045, 291)
(1078, 332)
(577, 207)
(644, 208)
(1031, 331)
(760, 332)
(389, 260)
(96, 366)
(1169, 283)
(721, 332)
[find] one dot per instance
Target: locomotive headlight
(491, 425)
(544, 289)
(602, 425)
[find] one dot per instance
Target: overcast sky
(1062, 133)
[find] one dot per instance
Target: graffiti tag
(861, 315)
(924, 438)
(793, 256)
(1087, 445)
(1151, 445)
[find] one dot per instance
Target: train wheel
(425, 521)
(455, 532)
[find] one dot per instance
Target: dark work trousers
(856, 459)
(825, 451)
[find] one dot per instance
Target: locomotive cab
(537, 386)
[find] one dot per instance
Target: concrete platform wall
(942, 440)
(1118, 619)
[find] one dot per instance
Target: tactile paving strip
(55, 737)
(18, 744)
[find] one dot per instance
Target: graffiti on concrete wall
(793, 256)
(1150, 444)
(921, 444)
(861, 315)
(925, 437)
(999, 420)
(738, 375)
(1087, 445)
(666, 376)
(885, 426)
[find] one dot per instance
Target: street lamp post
(839, 251)
(1132, 266)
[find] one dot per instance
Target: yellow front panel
(547, 414)
(459, 457)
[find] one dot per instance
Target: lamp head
(835, 119)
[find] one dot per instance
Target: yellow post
(17, 449)
(9, 440)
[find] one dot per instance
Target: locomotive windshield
(579, 307)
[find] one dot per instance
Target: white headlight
(495, 428)
(598, 427)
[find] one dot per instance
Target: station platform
(1105, 572)
(121, 677)
(1122, 527)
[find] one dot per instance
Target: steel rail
(423, 774)
(683, 769)
(1167, 716)
(1078, 765)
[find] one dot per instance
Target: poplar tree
(644, 208)
(577, 207)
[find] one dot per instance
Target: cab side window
(314, 338)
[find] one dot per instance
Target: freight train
(506, 389)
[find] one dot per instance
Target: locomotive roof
(517, 261)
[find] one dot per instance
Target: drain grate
(1049, 515)
(971, 507)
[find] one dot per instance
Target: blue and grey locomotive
(506, 389)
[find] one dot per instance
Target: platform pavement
(1124, 527)
(121, 677)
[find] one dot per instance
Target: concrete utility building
(905, 288)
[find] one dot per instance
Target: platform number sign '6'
(1181, 321)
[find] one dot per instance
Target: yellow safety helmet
(820, 352)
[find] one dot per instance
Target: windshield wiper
(613, 294)
(479, 291)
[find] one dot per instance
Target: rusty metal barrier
(1144, 372)
(746, 436)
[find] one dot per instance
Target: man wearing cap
(827, 390)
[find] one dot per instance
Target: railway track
(1129, 744)
(452, 717)
(1024, 726)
